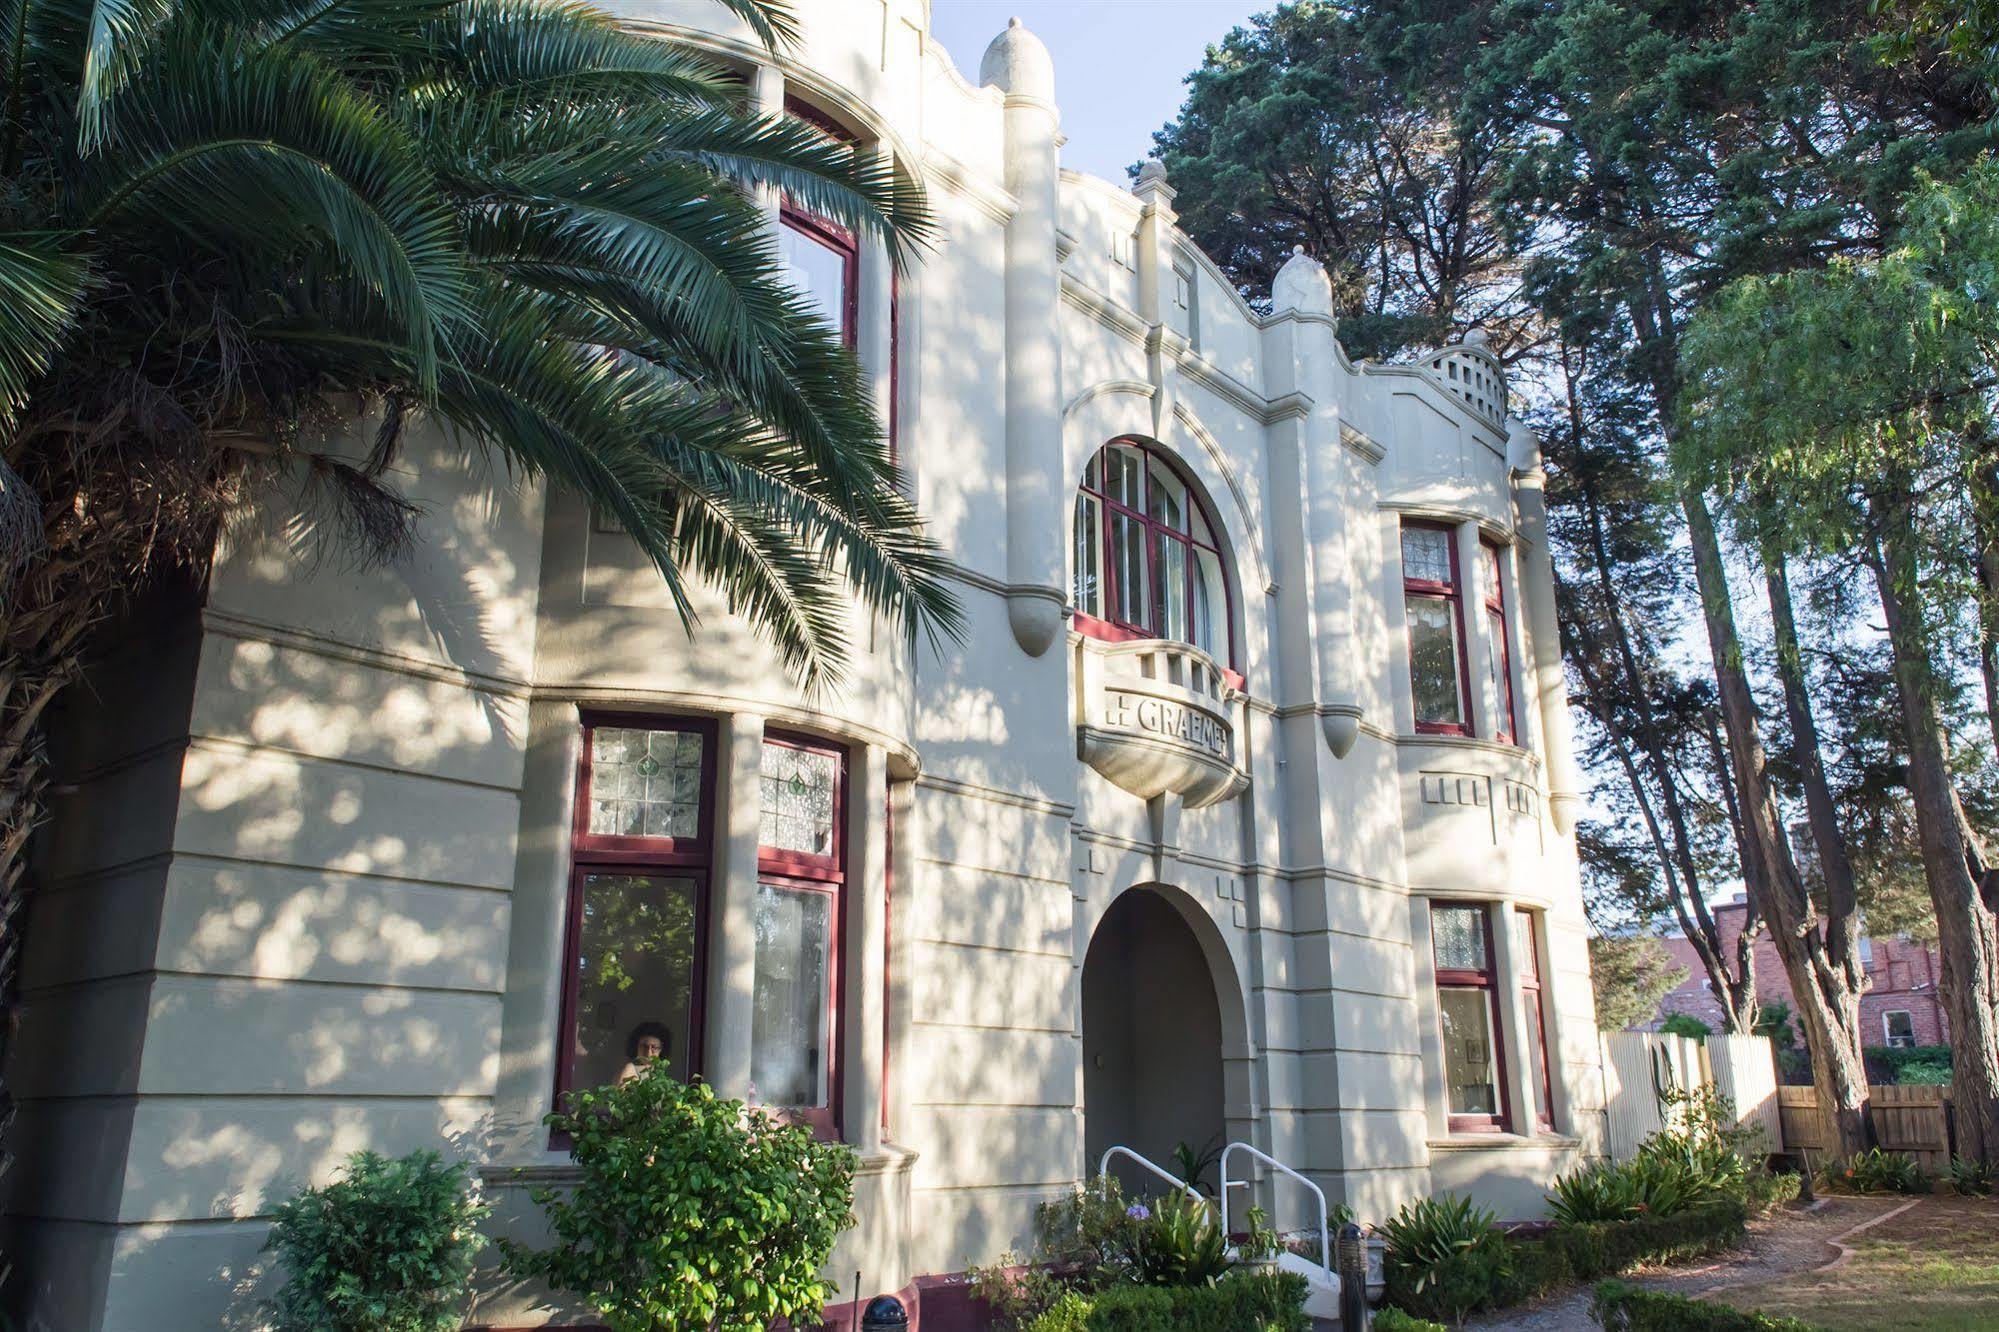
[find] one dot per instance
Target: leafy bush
(692, 1211)
(1885, 1063)
(1240, 1302)
(1877, 1171)
(1622, 1308)
(1685, 1024)
(1388, 1318)
(1923, 1073)
(1263, 1243)
(1765, 1189)
(1970, 1177)
(1607, 1248)
(1179, 1243)
(1598, 1192)
(1092, 1230)
(1444, 1258)
(1016, 1291)
(387, 1247)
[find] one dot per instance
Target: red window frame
(1486, 979)
(795, 871)
(1110, 629)
(1507, 727)
(605, 853)
(1530, 994)
(1451, 594)
(841, 241)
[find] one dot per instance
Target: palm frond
(771, 20)
(564, 49)
(41, 284)
(264, 149)
(120, 36)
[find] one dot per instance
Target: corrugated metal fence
(1644, 1070)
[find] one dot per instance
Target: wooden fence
(1915, 1120)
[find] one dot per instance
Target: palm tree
(216, 216)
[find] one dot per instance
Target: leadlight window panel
(791, 1022)
(1434, 676)
(1426, 554)
(798, 807)
(637, 951)
(1471, 1063)
(1459, 933)
(645, 783)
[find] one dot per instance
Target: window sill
(1504, 1142)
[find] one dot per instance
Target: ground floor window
(1468, 1017)
(1526, 951)
(639, 912)
(1898, 1027)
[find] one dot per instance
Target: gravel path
(1788, 1240)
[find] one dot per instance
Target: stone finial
(1476, 337)
(1151, 170)
(1302, 286)
(1018, 64)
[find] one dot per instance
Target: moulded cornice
(630, 699)
(995, 201)
(1449, 513)
(1363, 444)
(1103, 309)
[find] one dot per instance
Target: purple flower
(1138, 1212)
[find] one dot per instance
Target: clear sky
(1118, 63)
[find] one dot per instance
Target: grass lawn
(1935, 1268)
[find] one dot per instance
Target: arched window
(1148, 564)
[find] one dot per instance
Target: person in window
(649, 1041)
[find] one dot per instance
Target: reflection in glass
(1433, 661)
(1210, 604)
(1426, 554)
(645, 783)
(1086, 590)
(635, 966)
(817, 271)
(789, 1028)
(1171, 565)
(1128, 555)
(1470, 1070)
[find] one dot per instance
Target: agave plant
(512, 216)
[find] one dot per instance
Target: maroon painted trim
(1113, 630)
(841, 241)
(1451, 593)
(799, 872)
(1487, 979)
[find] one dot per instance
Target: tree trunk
(1967, 933)
(1824, 982)
(1985, 559)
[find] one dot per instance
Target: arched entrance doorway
(1152, 1037)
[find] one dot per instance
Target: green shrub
(1179, 1243)
(1444, 1258)
(1877, 1171)
(1240, 1302)
(1970, 1177)
(1388, 1318)
(1685, 1024)
(1765, 1189)
(1535, 1267)
(1091, 1230)
(691, 1211)
(1016, 1291)
(1598, 1192)
(1606, 1248)
(386, 1247)
(1885, 1064)
(1923, 1073)
(1622, 1308)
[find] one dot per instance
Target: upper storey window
(1498, 652)
(1432, 601)
(822, 263)
(1147, 564)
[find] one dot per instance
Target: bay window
(1468, 1018)
(1432, 604)
(1146, 561)
(822, 263)
(1498, 653)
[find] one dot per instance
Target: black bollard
(1351, 1260)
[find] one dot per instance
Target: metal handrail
(1325, 1237)
(1104, 1170)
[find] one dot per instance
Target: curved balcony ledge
(1158, 717)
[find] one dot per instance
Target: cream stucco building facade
(1243, 813)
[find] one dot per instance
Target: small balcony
(1158, 717)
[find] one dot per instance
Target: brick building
(1901, 1006)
